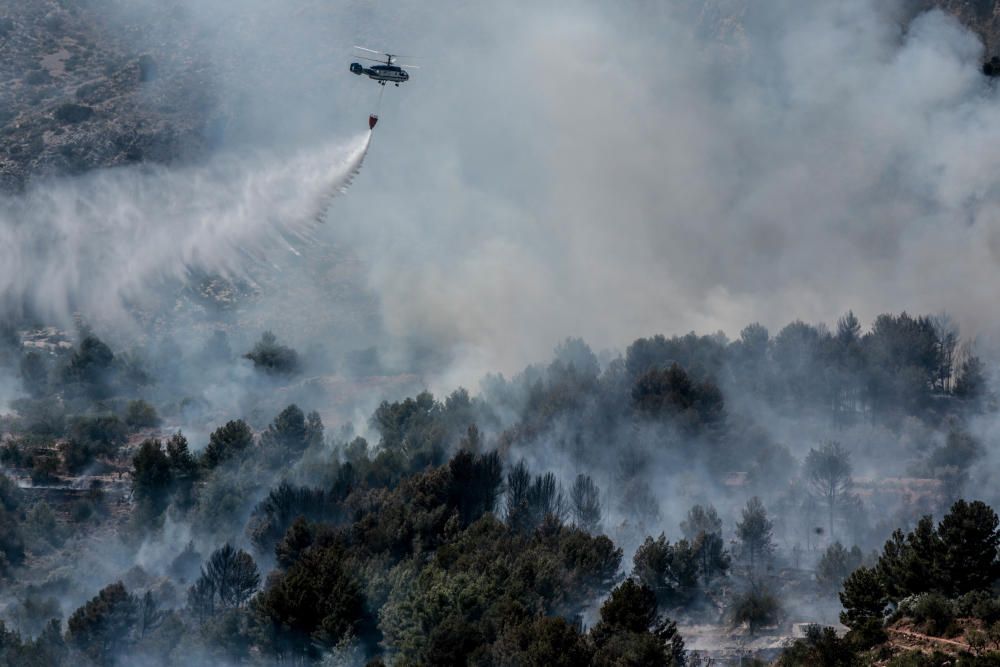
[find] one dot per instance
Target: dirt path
(917, 640)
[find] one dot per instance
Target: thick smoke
(569, 168)
(102, 243)
(615, 172)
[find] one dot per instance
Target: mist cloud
(105, 242)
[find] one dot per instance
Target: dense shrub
(933, 611)
(73, 113)
(140, 414)
(756, 609)
(273, 358)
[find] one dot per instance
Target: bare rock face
(81, 87)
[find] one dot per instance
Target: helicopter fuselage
(382, 73)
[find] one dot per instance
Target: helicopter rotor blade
(374, 60)
(370, 50)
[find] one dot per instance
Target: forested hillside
(583, 511)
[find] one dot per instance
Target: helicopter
(385, 72)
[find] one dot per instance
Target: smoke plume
(101, 243)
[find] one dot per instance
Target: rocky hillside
(77, 92)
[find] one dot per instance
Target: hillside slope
(77, 94)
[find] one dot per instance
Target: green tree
(516, 497)
(575, 353)
(91, 365)
(201, 599)
(186, 564)
(546, 499)
(821, 647)
(140, 414)
(227, 441)
(795, 351)
(542, 642)
(755, 532)
(48, 648)
(630, 608)
(911, 563)
(294, 543)
(630, 632)
(863, 598)
(106, 433)
(970, 539)
(106, 624)
(452, 641)
(848, 329)
(671, 392)
(317, 602)
(828, 470)
(530, 501)
(586, 503)
(273, 358)
(228, 579)
(283, 504)
(711, 556)
(749, 358)
(701, 520)
(293, 432)
(903, 358)
(11, 532)
(670, 571)
(149, 616)
(755, 607)
(703, 529)
(638, 501)
(182, 462)
(475, 483)
(835, 565)
(956, 557)
(152, 477)
(416, 430)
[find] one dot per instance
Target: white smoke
(629, 172)
(99, 243)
